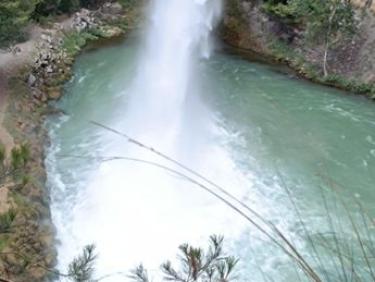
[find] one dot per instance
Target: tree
(53, 7)
(14, 16)
(69, 6)
(329, 22)
(196, 265)
(81, 269)
(326, 22)
(15, 169)
(46, 8)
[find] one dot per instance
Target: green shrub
(20, 156)
(68, 6)
(74, 41)
(128, 3)
(288, 13)
(14, 16)
(91, 3)
(2, 154)
(6, 220)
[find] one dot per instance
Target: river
(291, 150)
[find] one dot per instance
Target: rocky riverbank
(350, 61)
(29, 82)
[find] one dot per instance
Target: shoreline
(28, 85)
(287, 68)
(348, 64)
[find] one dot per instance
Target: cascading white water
(134, 213)
(137, 213)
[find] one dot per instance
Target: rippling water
(257, 132)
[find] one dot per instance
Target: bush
(74, 41)
(14, 16)
(91, 4)
(68, 6)
(20, 156)
(2, 155)
(6, 221)
(47, 8)
(128, 3)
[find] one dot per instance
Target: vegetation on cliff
(26, 236)
(329, 42)
(324, 22)
(15, 15)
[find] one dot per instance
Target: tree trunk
(368, 4)
(328, 34)
(5, 280)
(325, 58)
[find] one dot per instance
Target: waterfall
(178, 36)
(233, 121)
(135, 213)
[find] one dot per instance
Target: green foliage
(196, 265)
(53, 7)
(325, 22)
(2, 155)
(321, 18)
(283, 10)
(139, 274)
(328, 20)
(68, 6)
(81, 269)
(91, 3)
(3, 242)
(6, 220)
(128, 3)
(74, 41)
(46, 8)
(20, 156)
(14, 16)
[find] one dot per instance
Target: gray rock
(31, 80)
(112, 8)
(49, 69)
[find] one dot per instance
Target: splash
(134, 213)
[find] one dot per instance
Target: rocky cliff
(350, 62)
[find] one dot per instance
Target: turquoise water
(290, 149)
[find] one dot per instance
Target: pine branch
(139, 274)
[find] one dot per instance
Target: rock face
(31, 80)
(112, 8)
(246, 26)
(46, 68)
(84, 19)
(51, 61)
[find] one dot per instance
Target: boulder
(112, 8)
(49, 69)
(31, 80)
(54, 93)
